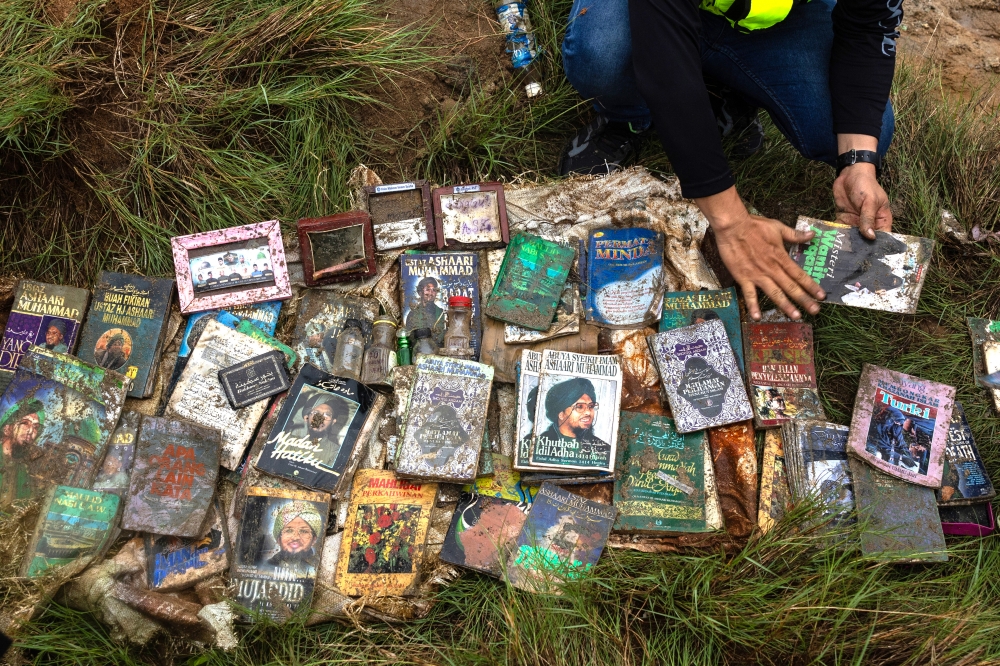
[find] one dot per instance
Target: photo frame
(230, 267)
(337, 247)
(402, 215)
(470, 217)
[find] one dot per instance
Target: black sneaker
(737, 121)
(600, 148)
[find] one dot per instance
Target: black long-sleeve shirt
(667, 62)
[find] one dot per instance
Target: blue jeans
(783, 69)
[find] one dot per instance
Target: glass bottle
(403, 347)
(458, 334)
(349, 357)
(423, 343)
(380, 357)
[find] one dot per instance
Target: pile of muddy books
(498, 401)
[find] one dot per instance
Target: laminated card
(576, 415)
(428, 280)
(74, 524)
(199, 396)
(530, 282)
(624, 277)
(964, 479)
(481, 532)
(699, 375)
(900, 424)
(684, 308)
(385, 534)
(43, 314)
(882, 274)
(781, 373)
(445, 418)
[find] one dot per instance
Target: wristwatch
(853, 156)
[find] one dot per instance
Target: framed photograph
(470, 216)
(337, 247)
(230, 267)
(401, 215)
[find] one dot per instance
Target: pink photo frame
(229, 267)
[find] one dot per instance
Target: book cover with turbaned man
(900, 425)
(781, 373)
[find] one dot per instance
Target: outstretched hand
(753, 249)
(861, 201)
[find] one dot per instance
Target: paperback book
(781, 373)
(775, 499)
(177, 563)
(43, 314)
(427, 280)
(967, 519)
(527, 401)
(530, 283)
(684, 308)
(665, 481)
(699, 376)
(817, 468)
(321, 316)
(882, 274)
(576, 412)
(126, 326)
(248, 328)
(278, 551)
(964, 479)
(481, 531)
(74, 525)
(624, 277)
(113, 476)
(384, 536)
(900, 425)
(321, 431)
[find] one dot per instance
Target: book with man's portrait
(427, 280)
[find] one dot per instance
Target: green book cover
(665, 481)
(530, 283)
(75, 523)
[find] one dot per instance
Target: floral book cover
(561, 540)
(700, 377)
(964, 479)
(445, 420)
(481, 532)
(427, 280)
(56, 419)
(624, 277)
(46, 315)
(781, 373)
(529, 286)
(125, 327)
(74, 525)
(278, 551)
(882, 274)
(684, 308)
(384, 536)
(320, 429)
(665, 481)
(900, 425)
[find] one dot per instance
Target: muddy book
(321, 431)
(624, 277)
(561, 540)
(900, 424)
(984, 331)
(699, 376)
(113, 476)
(427, 280)
(882, 274)
(384, 537)
(320, 318)
(56, 419)
(481, 532)
(527, 400)
(173, 478)
(900, 520)
(278, 551)
(967, 519)
(781, 373)
(126, 325)
(775, 499)
(249, 328)
(200, 398)
(530, 283)
(445, 419)
(684, 308)
(43, 314)
(665, 481)
(177, 563)
(74, 525)
(576, 412)
(964, 479)
(817, 468)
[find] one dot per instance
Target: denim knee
(597, 49)
(888, 129)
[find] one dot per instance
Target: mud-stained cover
(640, 379)
(505, 482)
(983, 330)
(900, 519)
(817, 469)
(504, 357)
(968, 519)
(964, 479)
(278, 551)
(886, 273)
(624, 277)
(384, 538)
(481, 532)
(530, 282)
(527, 400)
(113, 477)
(775, 499)
(319, 320)
(900, 424)
(781, 373)
(401, 214)
(684, 308)
(173, 478)
(248, 328)
(428, 280)
(663, 478)
(177, 563)
(73, 524)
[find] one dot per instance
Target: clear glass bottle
(458, 334)
(349, 357)
(403, 347)
(423, 343)
(380, 357)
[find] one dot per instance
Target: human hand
(753, 249)
(861, 201)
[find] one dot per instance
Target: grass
(222, 112)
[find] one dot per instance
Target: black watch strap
(853, 156)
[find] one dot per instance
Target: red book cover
(781, 373)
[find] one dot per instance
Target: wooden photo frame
(470, 217)
(401, 215)
(337, 247)
(230, 267)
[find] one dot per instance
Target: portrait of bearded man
(296, 529)
(571, 408)
(424, 310)
(19, 431)
(321, 418)
(55, 336)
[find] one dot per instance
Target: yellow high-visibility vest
(750, 14)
